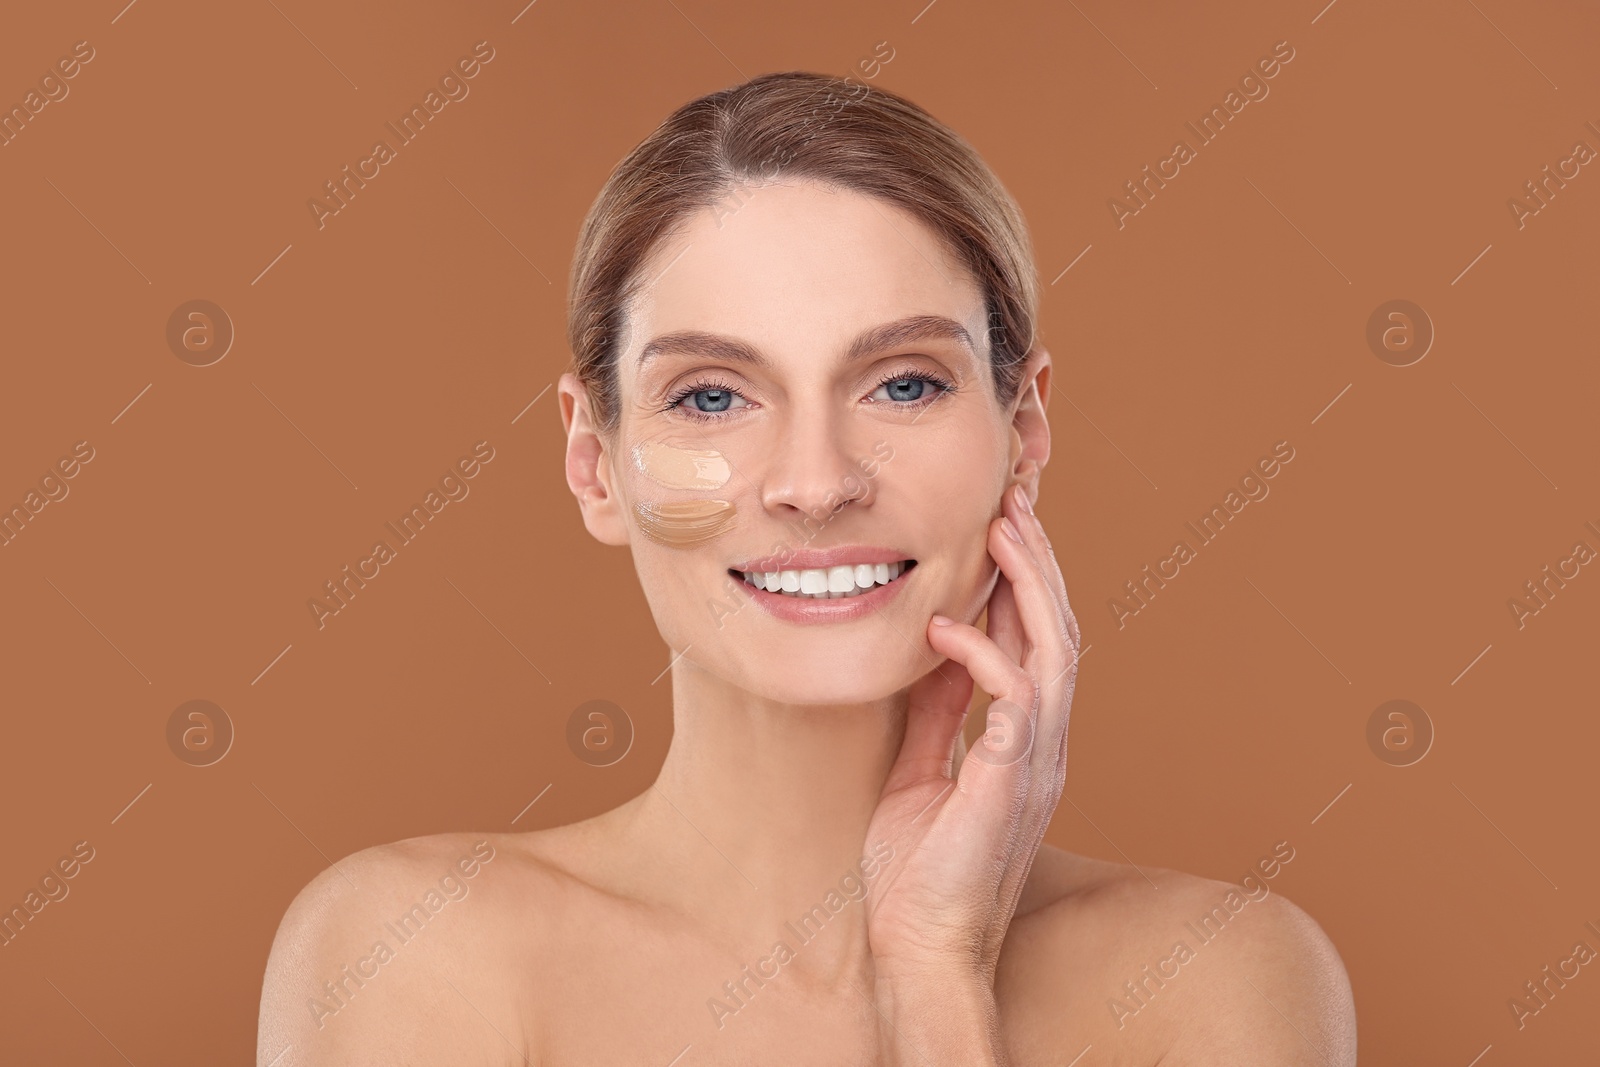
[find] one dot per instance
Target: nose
(814, 470)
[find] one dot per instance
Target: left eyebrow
(876, 339)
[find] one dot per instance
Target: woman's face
(841, 443)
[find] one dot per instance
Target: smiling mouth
(826, 583)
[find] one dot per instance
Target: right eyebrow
(872, 340)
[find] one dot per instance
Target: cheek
(674, 489)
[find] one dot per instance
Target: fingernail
(1011, 531)
(1022, 500)
(940, 620)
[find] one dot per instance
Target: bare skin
(815, 769)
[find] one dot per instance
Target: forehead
(799, 263)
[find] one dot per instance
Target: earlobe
(588, 466)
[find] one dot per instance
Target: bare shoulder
(390, 956)
(1148, 964)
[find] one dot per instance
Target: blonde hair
(797, 125)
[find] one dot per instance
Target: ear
(1030, 430)
(589, 473)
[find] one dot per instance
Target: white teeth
(827, 583)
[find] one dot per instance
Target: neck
(760, 812)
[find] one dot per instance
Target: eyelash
(909, 374)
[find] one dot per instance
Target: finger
(1048, 642)
(934, 717)
(1005, 624)
(994, 783)
(1051, 654)
(986, 663)
(1034, 536)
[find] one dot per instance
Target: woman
(807, 396)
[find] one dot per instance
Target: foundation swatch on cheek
(681, 468)
(684, 523)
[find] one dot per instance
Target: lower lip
(841, 609)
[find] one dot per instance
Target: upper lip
(817, 559)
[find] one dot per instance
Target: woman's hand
(963, 847)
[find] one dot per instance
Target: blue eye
(907, 391)
(716, 399)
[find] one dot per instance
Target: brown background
(429, 313)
